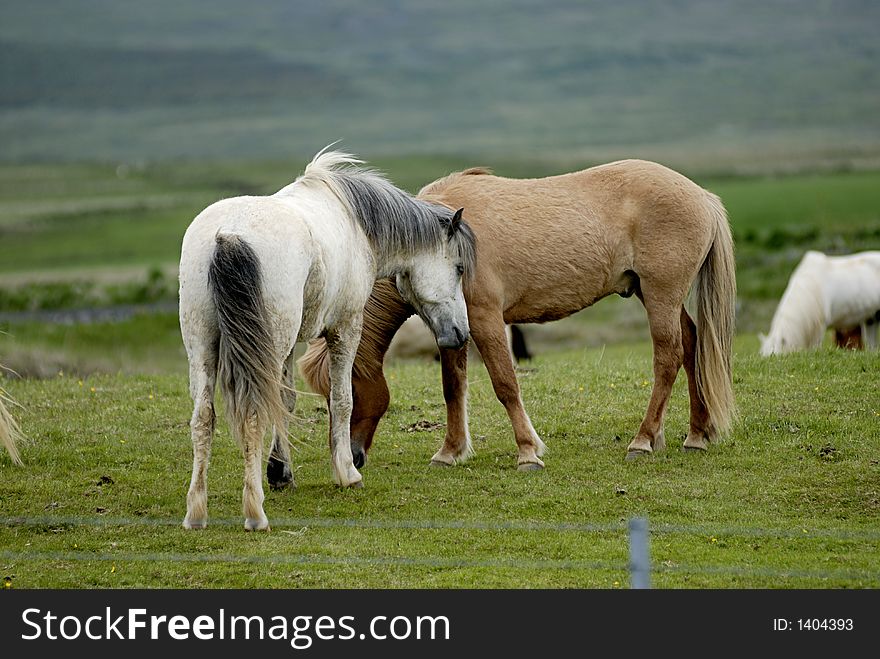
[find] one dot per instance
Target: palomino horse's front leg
(489, 333)
(457, 444)
(202, 379)
(278, 470)
(342, 343)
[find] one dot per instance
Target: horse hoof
(357, 485)
(195, 525)
(282, 485)
(278, 474)
(359, 458)
(693, 449)
(439, 463)
(251, 524)
(635, 454)
(529, 466)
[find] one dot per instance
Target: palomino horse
(837, 292)
(258, 274)
(549, 247)
(9, 432)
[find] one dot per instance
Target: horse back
(852, 284)
(552, 246)
(313, 264)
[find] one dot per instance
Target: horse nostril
(459, 335)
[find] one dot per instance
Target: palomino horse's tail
(716, 319)
(248, 370)
(9, 432)
(314, 366)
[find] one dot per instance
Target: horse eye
(459, 268)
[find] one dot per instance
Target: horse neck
(384, 313)
(388, 265)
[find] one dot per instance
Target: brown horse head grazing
(384, 313)
(549, 247)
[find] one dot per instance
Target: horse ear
(455, 222)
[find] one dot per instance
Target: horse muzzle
(453, 337)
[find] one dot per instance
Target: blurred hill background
(733, 85)
(121, 120)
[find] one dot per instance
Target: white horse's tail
(248, 369)
(716, 320)
(9, 431)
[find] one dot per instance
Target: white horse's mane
(799, 320)
(393, 220)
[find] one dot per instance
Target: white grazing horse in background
(259, 274)
(9, 432)
(838, 292)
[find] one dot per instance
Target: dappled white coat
(313, 256)
(291, 267)
(316, 273)
(838, 292)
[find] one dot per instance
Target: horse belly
(542, 306)
(852, 304)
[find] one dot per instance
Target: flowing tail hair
(248, 369)
(716, 319)
(9, 431)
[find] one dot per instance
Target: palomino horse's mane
(800, 317)
(383, 314)
(395, 222)
(441, 183)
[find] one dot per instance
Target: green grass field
(789, 500)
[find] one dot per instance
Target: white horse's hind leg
(203, 375)
(252, 494)
(278, 470)
(342, 343)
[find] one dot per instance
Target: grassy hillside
(91, 236)
(721, 83)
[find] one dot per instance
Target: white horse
(9, 432)
(838, 292)
(258, 274)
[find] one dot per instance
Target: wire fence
(638, 531)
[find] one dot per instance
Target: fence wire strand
(708, 530)
(446, 562)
